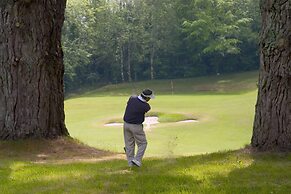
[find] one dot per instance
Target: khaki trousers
(134, 134)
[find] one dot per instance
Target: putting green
(225, 122)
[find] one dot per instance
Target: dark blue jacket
(135, 110)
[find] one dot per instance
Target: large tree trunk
(272, 125)
(31, 69)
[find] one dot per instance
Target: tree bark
(152, 56)
(122, 63)
(153, 42)
(31, 69)
(272, 125)
(129, 62)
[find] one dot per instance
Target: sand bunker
(149, 121)
(188, 121)
(113, 124)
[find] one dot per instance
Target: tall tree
(111, 41)
(76, 41)
(216, 29)
(161, 28)
(31, 69)
(272, 125)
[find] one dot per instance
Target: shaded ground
(61, 150)
(238, 172)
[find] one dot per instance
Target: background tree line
(113, 41)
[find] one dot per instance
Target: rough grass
(225, 172)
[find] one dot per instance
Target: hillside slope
(230, 83)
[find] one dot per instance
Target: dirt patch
(89, 159)
(61, 150)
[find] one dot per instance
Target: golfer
(133, 118)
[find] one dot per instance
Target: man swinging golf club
(133, 118)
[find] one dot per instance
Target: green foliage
(119, 41)
(219, 28)
(76, 42)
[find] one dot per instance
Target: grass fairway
(223, 105)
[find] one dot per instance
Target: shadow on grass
(42, 150)
(228, 172)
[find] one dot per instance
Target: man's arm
(148, 108)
